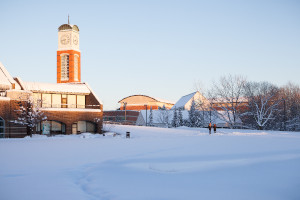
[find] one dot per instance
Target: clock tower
(68, 54)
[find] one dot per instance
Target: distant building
(70, 106)
(128, 117)
(143, 102)
(185, 102)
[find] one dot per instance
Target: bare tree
(163, 116)
(263, 101)
(227, 95)
(289, 116)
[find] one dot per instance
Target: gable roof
(6, 80)
(184, 100)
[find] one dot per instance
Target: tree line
(247, 104)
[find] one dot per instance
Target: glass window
(37, 99)
(64, 67)
(76, 61)
(80, 101)
(64, 102)
(81, 126)
(56, 100)
(71, 101)
(90, 127)
(46, 127)
(55, 126)
(46, 100)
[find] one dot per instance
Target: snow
(182, 102)
(72, 109)
(155, 163)
(69, 88)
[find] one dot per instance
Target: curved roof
(68, 27)
(155, 99)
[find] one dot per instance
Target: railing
(71, 106)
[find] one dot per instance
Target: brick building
(128, 117)
(70, 106)
(143, 102)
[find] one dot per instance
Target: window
(90, 127)
(76, 62)
(59, 100)
(56, 100)
(84, 126)
(37, 99)
(64, 67)
(81, 126)
(46, 100)
(2, 128)
(80, 101)
(51, 127)
(71, 101)
(64, 101)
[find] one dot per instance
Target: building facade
(69, 106)
(143, 102)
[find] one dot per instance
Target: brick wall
(71, 66)
(138, 108)
(70, 117)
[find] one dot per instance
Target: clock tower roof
(68, 27)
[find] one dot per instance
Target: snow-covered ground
(154, 164)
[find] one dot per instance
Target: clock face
(65, 39)
(75, 40)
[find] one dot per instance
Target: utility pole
(125, 104)
(284, 115)
(146, 114)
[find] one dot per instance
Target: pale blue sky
(158, 48)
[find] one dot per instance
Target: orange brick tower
(68, 54)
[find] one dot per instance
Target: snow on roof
(66, 88)
(154, 98)
(184, 100)
(164, 101)
(6, 80)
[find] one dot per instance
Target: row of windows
(59, 100)
(55, 127)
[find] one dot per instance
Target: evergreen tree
(180, 118)
(151, 117)
(192, 115)
(175, 119)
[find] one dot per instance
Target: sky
(159, 48)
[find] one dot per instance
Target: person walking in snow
(215, 128)
(209, 128)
